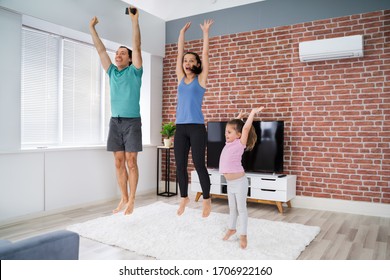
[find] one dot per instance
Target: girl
(190, 128)
(239, 136)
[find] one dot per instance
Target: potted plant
(168, 130)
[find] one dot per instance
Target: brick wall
(336, 113)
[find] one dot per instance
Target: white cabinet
(263, 188)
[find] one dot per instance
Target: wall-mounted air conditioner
(335, 48)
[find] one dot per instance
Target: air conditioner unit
(335, 48)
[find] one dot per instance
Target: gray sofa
(57, 245)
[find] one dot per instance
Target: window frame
(102, 80)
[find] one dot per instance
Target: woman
(190, 128)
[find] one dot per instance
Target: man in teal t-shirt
(125, 135)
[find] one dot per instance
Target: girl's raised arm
(248, 124)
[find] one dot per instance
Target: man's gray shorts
(125, 134)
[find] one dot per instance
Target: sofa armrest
(57, 245)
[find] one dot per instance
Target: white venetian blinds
(65, 96)
(81, 94)
(40, 72)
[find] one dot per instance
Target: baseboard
(345, 206)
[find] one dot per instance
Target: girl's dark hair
(129, 51)
(195, 69)
(237, 125)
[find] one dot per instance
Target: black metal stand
(167, 192)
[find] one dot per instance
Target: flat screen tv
(267, 154)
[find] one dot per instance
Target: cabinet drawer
(195, 187)
(269, 195)
(215, 178)
(215, 189)
(268, 183)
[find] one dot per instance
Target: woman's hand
(206, 25)
(186, 27)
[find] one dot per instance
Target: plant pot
(168, 143)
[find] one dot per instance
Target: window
(65, 92)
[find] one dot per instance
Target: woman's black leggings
(194, 136)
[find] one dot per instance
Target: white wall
(156, 76)
(21, 184)
(10, 49)
(41, 181)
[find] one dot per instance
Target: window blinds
(65, 92)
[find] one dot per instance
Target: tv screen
(267, 154)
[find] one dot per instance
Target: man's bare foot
(229, 233)
(183, 203)
(130, 207)
(120, 206)
(243, 241)
(206, 207)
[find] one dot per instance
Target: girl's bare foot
(130, 207)
(206, 207)
(120, 206)
(243, 241)
(229, 233)
(183, 203)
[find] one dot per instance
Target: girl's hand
(240, 115)
(185, 28)
(206, 25)
(257, 110)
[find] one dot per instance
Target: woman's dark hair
(195, 69)
(129, 51)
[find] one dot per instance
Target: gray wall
(270, 13)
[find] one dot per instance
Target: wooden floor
(342, 236)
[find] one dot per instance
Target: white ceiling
(175, 9)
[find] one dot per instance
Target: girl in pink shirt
(239, 136)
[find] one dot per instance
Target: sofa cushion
(4, 242)
(57, 245)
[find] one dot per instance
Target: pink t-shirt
(230, 159)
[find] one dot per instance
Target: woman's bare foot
(206, 207)
(243, 241)
(229, 233)
(183, 203)
(120, 206)
(130, 207)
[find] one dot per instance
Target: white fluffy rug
(155, 230)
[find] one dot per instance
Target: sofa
(57, 245)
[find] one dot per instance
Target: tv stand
(263, 188)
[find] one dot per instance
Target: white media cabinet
(263, 188)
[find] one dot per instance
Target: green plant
(168, 129)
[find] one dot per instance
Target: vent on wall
(335, 48)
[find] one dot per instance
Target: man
(125, 137)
